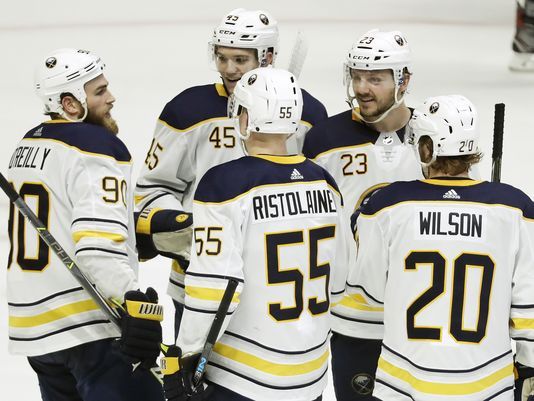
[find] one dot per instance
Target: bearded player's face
(99, 104)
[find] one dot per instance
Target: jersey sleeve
(168, 169)
(98, 188)
(340, 265)
(362, 304)
(522, 310)
(216, 257)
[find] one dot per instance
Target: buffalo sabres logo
(399, 40)
(434, 107)
(51, 62)
(363, 383)
(264, 19)
(252, 79)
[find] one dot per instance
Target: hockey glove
(165, 232)
(524, 383)
(178, 373)
(141, 327)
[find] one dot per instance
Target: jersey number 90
(40, 260)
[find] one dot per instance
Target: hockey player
(193, 134)
(523, 43)
(446, 264)
(74, 172)
(363, 148)
(271, 221)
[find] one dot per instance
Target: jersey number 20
(461, 265)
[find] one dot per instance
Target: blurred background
(154, 50)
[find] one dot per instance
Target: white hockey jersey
(271, 222)
(360, 160)
(76, 178)
(193, 134)
(447, 267)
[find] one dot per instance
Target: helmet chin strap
(395, 105)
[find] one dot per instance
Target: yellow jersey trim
(54, 314)
(358, 302)
(452, 183)
(221, 90)
(355, 116)
(445, 388)
(522, 324)
(276, 369)
(77, 149)
(208, 294)
(60, 121)
(265, 186)
(78, 235)
(293, 159)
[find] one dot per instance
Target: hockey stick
(43, 232)
(498, 133)
(23, 207)
(214, 331)
(298, 55)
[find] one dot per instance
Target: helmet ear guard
(66, 71)
(272, 99)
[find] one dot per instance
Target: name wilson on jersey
(452, 223)
(279, 205)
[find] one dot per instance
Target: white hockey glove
(524, 383)
(165, 232)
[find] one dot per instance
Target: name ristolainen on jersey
(293, 203)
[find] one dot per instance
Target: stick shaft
(498, 133)
(214, 330)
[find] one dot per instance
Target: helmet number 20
(466, 146)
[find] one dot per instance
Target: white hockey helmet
(451, 122)
(272, 98)
(66, 71)
(378, 50)
(247, 29)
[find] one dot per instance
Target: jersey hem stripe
(90, 323)
(243, 338)
(57, 294)
(241, 375)
(99, 220)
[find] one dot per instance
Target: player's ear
(425, 149)
(70, 105)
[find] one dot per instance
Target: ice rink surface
(154, 51)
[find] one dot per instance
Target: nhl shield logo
(252, 79)
(399, 40)
(264, 19)
(388, 140)
(363, 383)
(434, 107)
(51, 62)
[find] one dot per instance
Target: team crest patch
(252, 79)
(399, 40)
(434, 107)
(363, 383)
(51, 62)
(264, 19)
